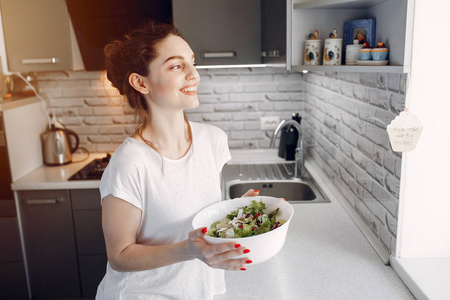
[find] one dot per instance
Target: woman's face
(173, 79)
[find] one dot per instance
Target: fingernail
(243, 269)
(257, 191)
(284, 199)
(246, 251)
(204, 230)
(248, 261)
(237, 246)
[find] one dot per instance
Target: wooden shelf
(352, 68)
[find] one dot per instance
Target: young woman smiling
(161, 176)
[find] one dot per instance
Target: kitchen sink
(275, 180)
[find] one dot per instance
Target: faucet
(299, 156)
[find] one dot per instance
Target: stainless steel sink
(276, 180)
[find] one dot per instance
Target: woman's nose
(192, 73)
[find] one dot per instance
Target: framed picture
(362, 30)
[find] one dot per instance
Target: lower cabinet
(64, 242)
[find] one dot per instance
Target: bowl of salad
(258, 223)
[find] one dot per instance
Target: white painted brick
(347, 89)
(96, 101)
(385, 198)
(376, 171)
(128, 119)
(79, 92)
(213, 98)
(368, 79)
(393, 82)
(115, 129)
(267, 78)
(290, 87)
(98, 120)
(204, 108)
(261, 87)
(377, 135)
(393, 185)
(266, 106)
(382, 81)
(97, 139)
(214, 117)
(379, 98)
(242, 97)
(361, 93)
(228, 107)
(79, 83)
(397, 103)
(107, 111)
(246, 116)
(66, 102)
(85, 111)
(287, 106)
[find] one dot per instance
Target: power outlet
(269, 122)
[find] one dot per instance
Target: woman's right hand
(221, 256)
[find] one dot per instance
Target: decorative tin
(332, 53)
(313, 52)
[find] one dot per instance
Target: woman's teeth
(189, 89)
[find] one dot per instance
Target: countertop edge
(426, 278)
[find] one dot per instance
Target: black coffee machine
(289, 139)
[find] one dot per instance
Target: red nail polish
(249, 261)
(243, 269)
(204, 230)
(246, 251)
(257, 191)
(284, 199)
(237, 246)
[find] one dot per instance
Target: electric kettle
(57, 146)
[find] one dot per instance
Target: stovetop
(92, 171)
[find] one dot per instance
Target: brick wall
(232, 99)
(345, 121)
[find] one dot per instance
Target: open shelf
(393, 19)
(352, 68)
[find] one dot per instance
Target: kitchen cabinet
(91, 250)
(221, 32)
(37, 35)
(13, 284)
(47, 226)
(394, 26)
(64, 242)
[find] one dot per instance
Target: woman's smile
(189, 90)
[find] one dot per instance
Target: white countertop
(56, 177)
(325, 255)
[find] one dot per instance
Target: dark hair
(133, 54)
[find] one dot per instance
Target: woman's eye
(176, 67)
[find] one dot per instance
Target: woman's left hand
(251, 193)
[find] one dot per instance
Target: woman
(159, 178)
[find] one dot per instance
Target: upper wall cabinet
(233, 32)
(394, 25)
(37, 35)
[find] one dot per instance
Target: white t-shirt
(169, 193)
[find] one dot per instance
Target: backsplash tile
(344, 120)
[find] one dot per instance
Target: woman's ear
(138, 83)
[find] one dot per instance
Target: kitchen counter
(56, 177)
(325, 255)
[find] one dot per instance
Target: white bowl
(262, 246)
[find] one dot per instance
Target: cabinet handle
(272, 53)
(52, 60)
(43, 201)
(218, 54)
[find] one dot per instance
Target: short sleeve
(121, 180)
